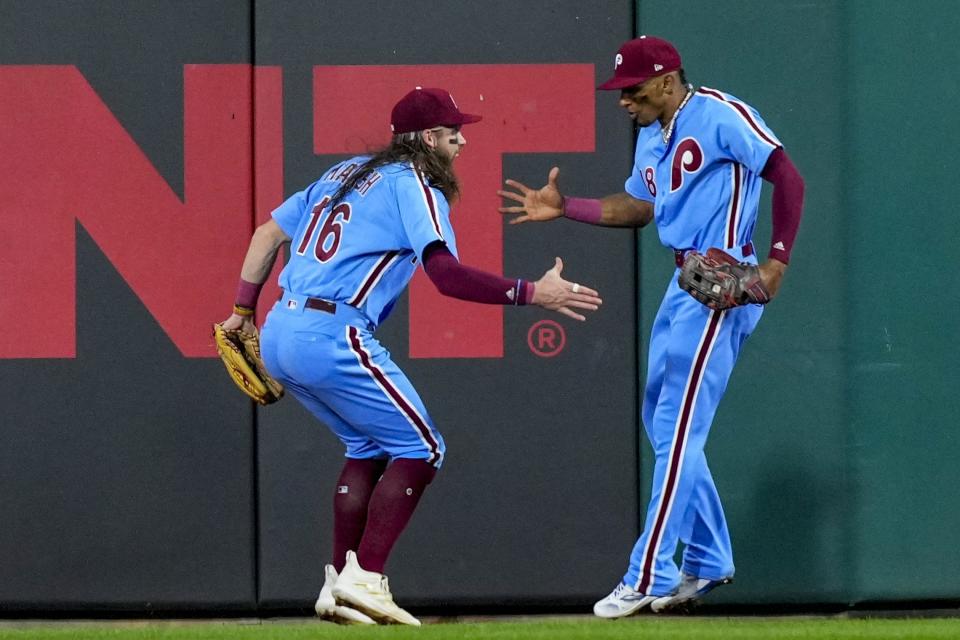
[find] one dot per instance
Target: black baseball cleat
(691, 589)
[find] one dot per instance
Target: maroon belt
(321, 305)
(680, 254)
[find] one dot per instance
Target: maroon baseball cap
(640, 59)
(427, 108)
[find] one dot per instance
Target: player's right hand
(538, 205)
(554, 293)
(235, 321)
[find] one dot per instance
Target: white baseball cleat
(328, 609)
(369, 592)
(622, 601)
(690, 590)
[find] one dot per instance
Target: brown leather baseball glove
(720, 281)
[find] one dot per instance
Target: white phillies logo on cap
(657, 67)
(617, 61)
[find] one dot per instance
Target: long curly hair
(408, 147)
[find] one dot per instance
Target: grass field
(521, 629)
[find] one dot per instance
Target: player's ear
(428, 138)
(669, 84)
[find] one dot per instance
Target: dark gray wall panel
(126, 474)
(537, 499)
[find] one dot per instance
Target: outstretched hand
(554, 293)
(538, 205)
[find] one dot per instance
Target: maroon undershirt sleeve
(787, 203)
(466, 283)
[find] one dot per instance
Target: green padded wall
(902, 231)
(834, 448)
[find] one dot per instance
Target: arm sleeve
(425, 214)
(787, 203)
(466, 283)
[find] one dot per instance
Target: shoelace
(621, 589)
(384, 592)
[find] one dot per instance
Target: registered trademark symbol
(546, 338)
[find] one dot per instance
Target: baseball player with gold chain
(700, 160)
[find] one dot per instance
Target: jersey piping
(417, 421)
(743, 113)
(428, 200)
(736, 205)
(675, 462)
(373, 277)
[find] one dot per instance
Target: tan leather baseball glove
(240, 353)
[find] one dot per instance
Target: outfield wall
(833, 448)
(140, 143)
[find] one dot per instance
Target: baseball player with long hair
(357, 235)
(700, 160)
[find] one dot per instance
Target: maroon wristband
(586, 210)
(247, 294)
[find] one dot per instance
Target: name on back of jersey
(342, 172)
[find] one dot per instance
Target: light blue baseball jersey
(359, 254)
(705, 184)
(366, 249)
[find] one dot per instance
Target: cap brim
(621, 83)
(469, 118)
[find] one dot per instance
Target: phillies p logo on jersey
(687, 158)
